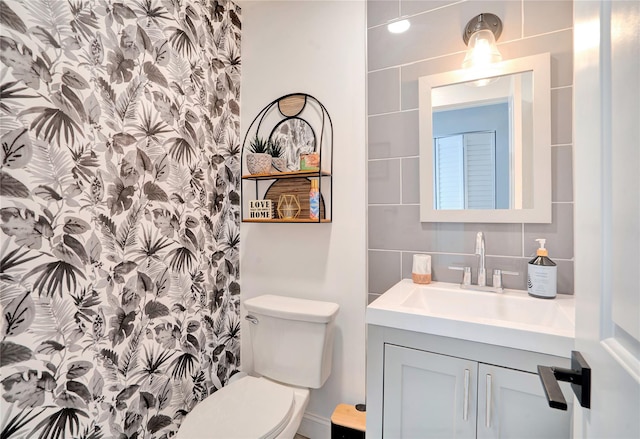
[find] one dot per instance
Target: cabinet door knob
(579, 376)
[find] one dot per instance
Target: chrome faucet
(482, 271)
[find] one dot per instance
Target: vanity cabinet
(512, 404)
(427, 395)
(422, 386)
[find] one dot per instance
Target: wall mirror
(485, 143)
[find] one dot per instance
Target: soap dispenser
(542, 274)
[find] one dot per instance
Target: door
(428, 395)
(607, 214)
(512, 404)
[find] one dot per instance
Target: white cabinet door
(512, 404)
(428, 395)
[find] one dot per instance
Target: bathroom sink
(482, 306)
(512, 318)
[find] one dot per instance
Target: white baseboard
(315, 427)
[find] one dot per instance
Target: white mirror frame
(541, 211)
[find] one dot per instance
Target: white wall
(315, 47)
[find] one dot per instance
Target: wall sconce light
(480, 35)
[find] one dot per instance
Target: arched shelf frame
(264, 125)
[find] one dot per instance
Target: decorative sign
(260, 209)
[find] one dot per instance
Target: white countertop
(510, 319)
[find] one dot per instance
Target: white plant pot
(258, 163)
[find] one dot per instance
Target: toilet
(292, 346)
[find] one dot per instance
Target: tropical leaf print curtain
(119, 213)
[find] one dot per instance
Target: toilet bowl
(247, 408)
(292, 347)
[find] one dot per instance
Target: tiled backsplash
(432, 45)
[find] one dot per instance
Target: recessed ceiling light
(397, 27)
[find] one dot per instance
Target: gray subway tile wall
(562, 173)
(386, 97)
(546, 16)
(561, 116)
(419, 6)
(384, 181)
(380, 12)
(393, 135)
(434, 45)
(385, 270)
(398, 227)
(559, 234)
(410, 180)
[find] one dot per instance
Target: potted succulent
(258, 157)
(278, 162)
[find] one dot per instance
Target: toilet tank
(292, 339)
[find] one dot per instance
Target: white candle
(421, 272)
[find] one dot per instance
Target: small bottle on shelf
(314, 201)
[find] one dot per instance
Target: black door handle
(551, 388)
(579, 376)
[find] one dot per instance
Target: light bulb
(482, 50)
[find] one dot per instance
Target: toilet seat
(248, 408)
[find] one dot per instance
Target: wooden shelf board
(292, 174)
(279, 220)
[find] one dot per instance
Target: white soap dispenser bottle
(542, 274)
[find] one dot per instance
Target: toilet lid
(248, 408)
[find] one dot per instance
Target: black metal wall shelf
(303, 125)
